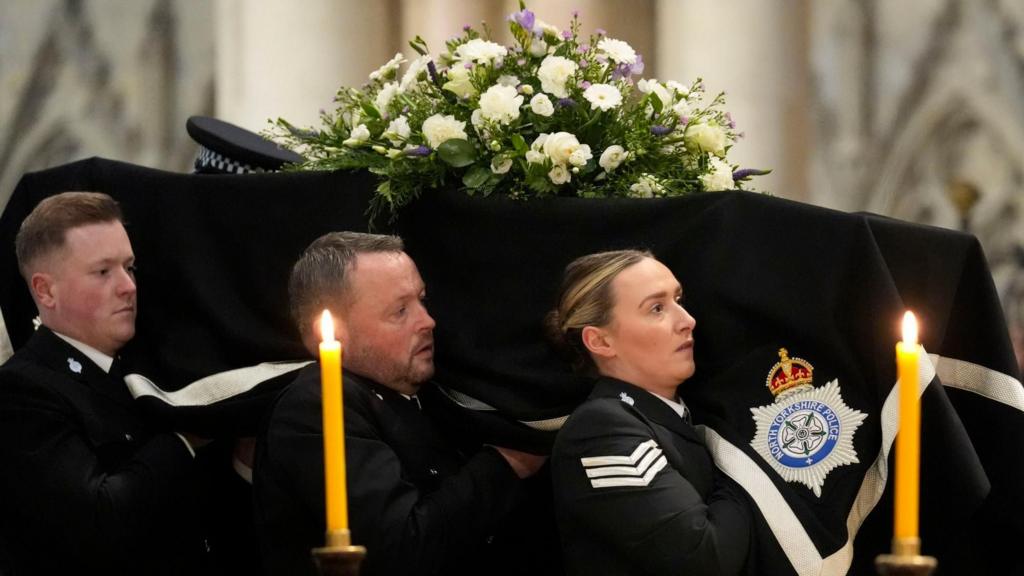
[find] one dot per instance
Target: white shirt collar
(98, 358)
(676, 404)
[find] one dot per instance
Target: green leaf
(655, 102)
(419, 45)
(457, 152)
(519, 143)
(476, 177)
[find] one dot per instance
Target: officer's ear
(42, 286)
(597, 341)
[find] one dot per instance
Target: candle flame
(909, 329)
(326, 327)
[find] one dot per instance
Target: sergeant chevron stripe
(637, 469)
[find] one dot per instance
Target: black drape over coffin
(759, 273)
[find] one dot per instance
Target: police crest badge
(808, 431)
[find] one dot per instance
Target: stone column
(282, 58)
(757, 53)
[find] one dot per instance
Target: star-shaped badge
(74, 365)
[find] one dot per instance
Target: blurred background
(912, 109)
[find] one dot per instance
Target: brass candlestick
(905, 560)
(339, 557)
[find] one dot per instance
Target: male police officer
(417, 502)
(89, 486)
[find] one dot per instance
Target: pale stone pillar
(757, 53)
(438, 20)
(281, 58)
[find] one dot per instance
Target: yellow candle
(908, 439)
(334, 427)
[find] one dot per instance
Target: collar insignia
(626, 398)
(808, 431)
(74, 365)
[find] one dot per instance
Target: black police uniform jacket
(418, 503)
(88, 486)
(637, 493)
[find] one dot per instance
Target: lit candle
(908, 439)
(334, 427)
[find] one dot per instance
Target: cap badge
(74, 365)
(807, 432)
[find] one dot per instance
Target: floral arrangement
(553, 114)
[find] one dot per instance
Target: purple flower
(730, 121)
(584, 84)
(417, 151)
(432, 70)
(684, 120)
(747, 173)
(584, 63)
(566, 102)
(638, 66)
(600, 31)
(566, 34)
(466, 27)
(622, 71)
(521, 62)
(583, 49)
(524, 18)
(468, 65)
(575, 13)
(659, 130)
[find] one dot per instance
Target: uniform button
(128, 437)
(490, 539)
(433, 471)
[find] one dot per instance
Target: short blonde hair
(586, 299)
(45, 229)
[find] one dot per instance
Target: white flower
(612, 157)
(526, 89)
(438, 129)
(652, 85)
(508, 80)
(554, 72)
(398, 130)
(359, 135)
(580, 156)
(617, 51)
(603, 96)
(459, 82)
(559, 174)
(538, 144)
(535, 157)
(388, 68)
(480, 51)
(547, 29)
(541, 105)
(412, 75)
(682, 109)
(501, 164)
(384, 97)
(707, 136)
(500, 104)
(560, 146)
(719, 178)
(680, 89)
(393, 153)
(538, 48)
(646, 186)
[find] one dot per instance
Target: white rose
(541, 105)
(559, 174)
(501, 164)
(560, 146)
(500, 104)
(612, 157)
(480, 51)
(459, 83)
(554, 72)
(535, 157)
(617, 51)
(719, 178)
(707, 136)
(398, 130)
(603, 96)
(580, 156)
(438, 129)
(384, 97)
(358, 135)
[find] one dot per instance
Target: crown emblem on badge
(789, 373)
(807, 432)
